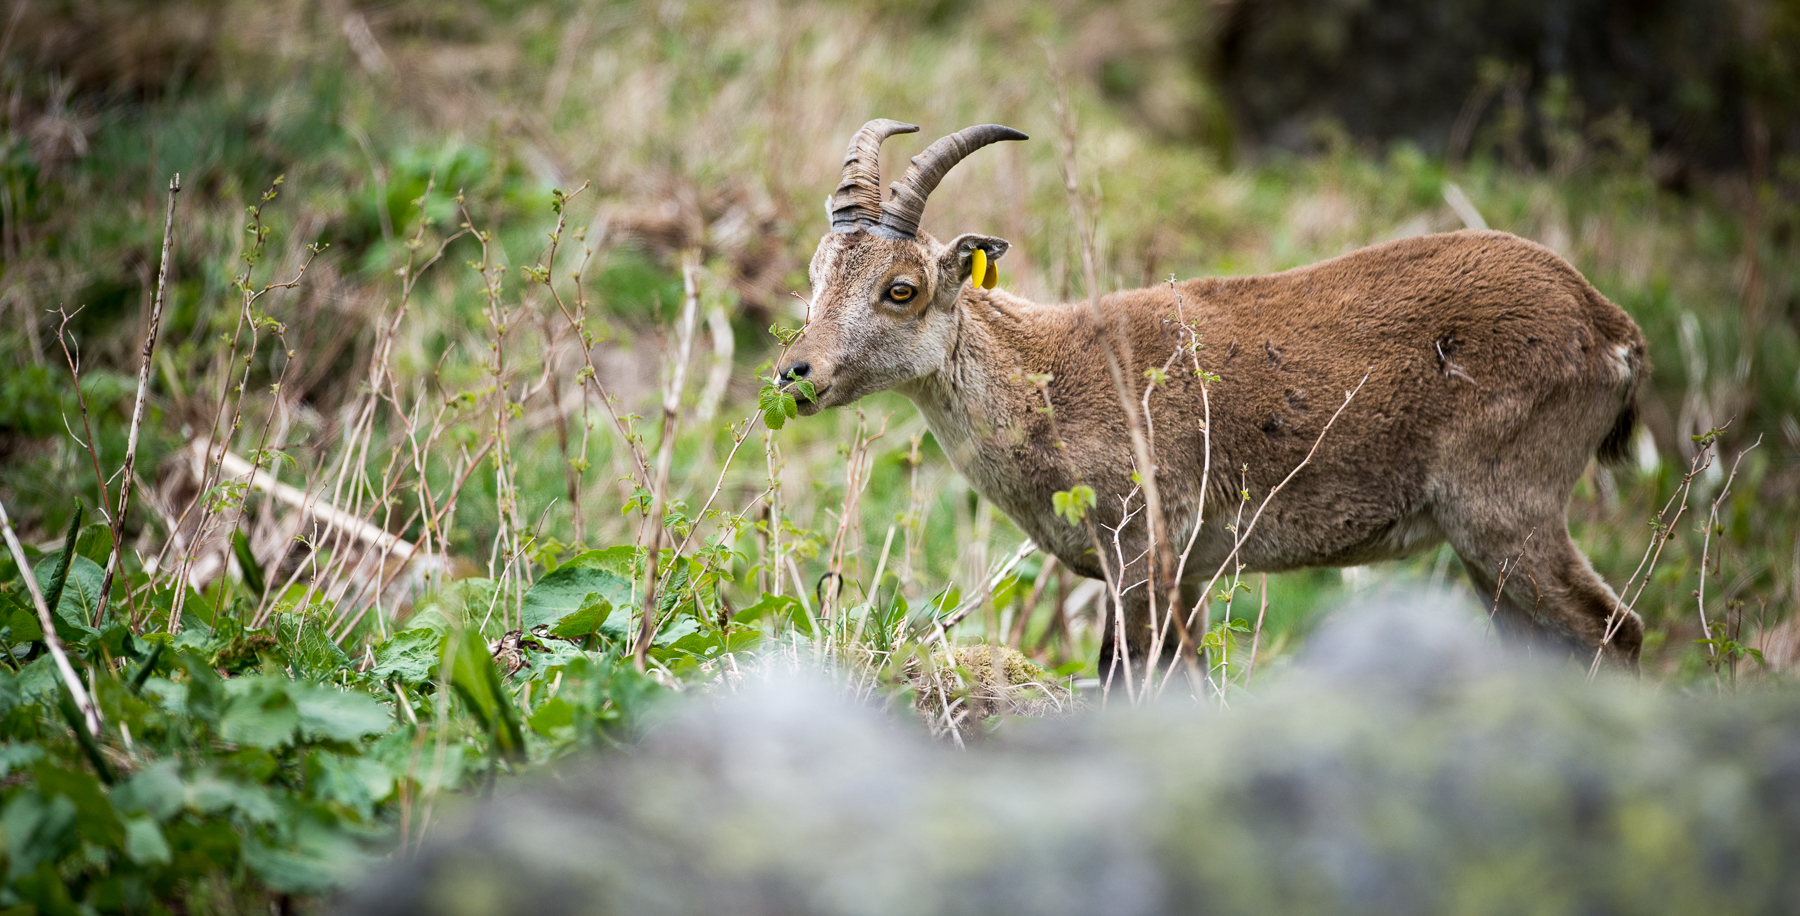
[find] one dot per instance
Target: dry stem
(137, 410)
(90, 714)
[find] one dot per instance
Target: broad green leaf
(623, 561)
(309, 648)
(18, 756)
(569, 589)
(410, 656)
(675, 630)
(585, 622)
(79, 596)
(144, 842)
(155, 790)
(210, 793)
(260, 714)
(555, 713)
(327, 712)
(23, 621)
(713, 643)
(39, 827)
(318, 860)
(95, 542)
(778, 607)
(203, 693)
(96, 819)
(39, 680)
(357, 783)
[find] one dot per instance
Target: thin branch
(90, 714)
(137, 410)
(1244, 535)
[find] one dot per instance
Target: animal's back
(1476, 346)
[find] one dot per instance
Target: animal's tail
(1616, 447)
(1633, 369)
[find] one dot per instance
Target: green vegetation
(493, 286)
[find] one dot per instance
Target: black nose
(796, 371)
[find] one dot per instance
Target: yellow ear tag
(993, 277)
(977, 267)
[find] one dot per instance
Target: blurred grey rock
(1406, 765)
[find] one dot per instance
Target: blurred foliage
(1712, 85)
(1391, 772)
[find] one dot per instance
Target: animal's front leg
(1138, 629)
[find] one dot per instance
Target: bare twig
(1244, 534)
(665, 456)
(1661, 533)
(137, 410)
(90, 714)
(1712, 522)
(1162, 563)
(994, 578)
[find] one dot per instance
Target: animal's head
(883, 292)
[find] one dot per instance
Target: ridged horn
(857, 202)
(900, 214)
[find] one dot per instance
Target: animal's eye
(901, 292)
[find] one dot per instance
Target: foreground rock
(1404, 767)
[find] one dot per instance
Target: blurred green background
(1654, 144)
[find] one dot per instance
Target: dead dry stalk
(146, 355)
(90, 714)
(1162, 563)
(665, 455)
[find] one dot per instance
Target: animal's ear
(960, 261)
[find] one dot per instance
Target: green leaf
(779, 607)
(209, 793)
(23, 621)
(39, 827)
(260, 714)
(553, 714)
(594, 615)
(59, 572)
(675, 630)
(202, 695)
(96, 819)
(318, 860)
(144, 842)
(1073, 504)
(329, 713)
(357, 783)
(309, 648)
(39, 680)
(76, 600)
(475, 679)
(464, 602)
(252, 570)
(573, 587)
(777, 405)
(18, 757)
(410, 656)
(155, 790)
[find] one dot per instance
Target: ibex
(1490, 372)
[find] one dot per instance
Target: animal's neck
(981, 401)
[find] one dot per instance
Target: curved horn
(900, 214)
(857, 202)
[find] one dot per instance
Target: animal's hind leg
(1539, 588)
